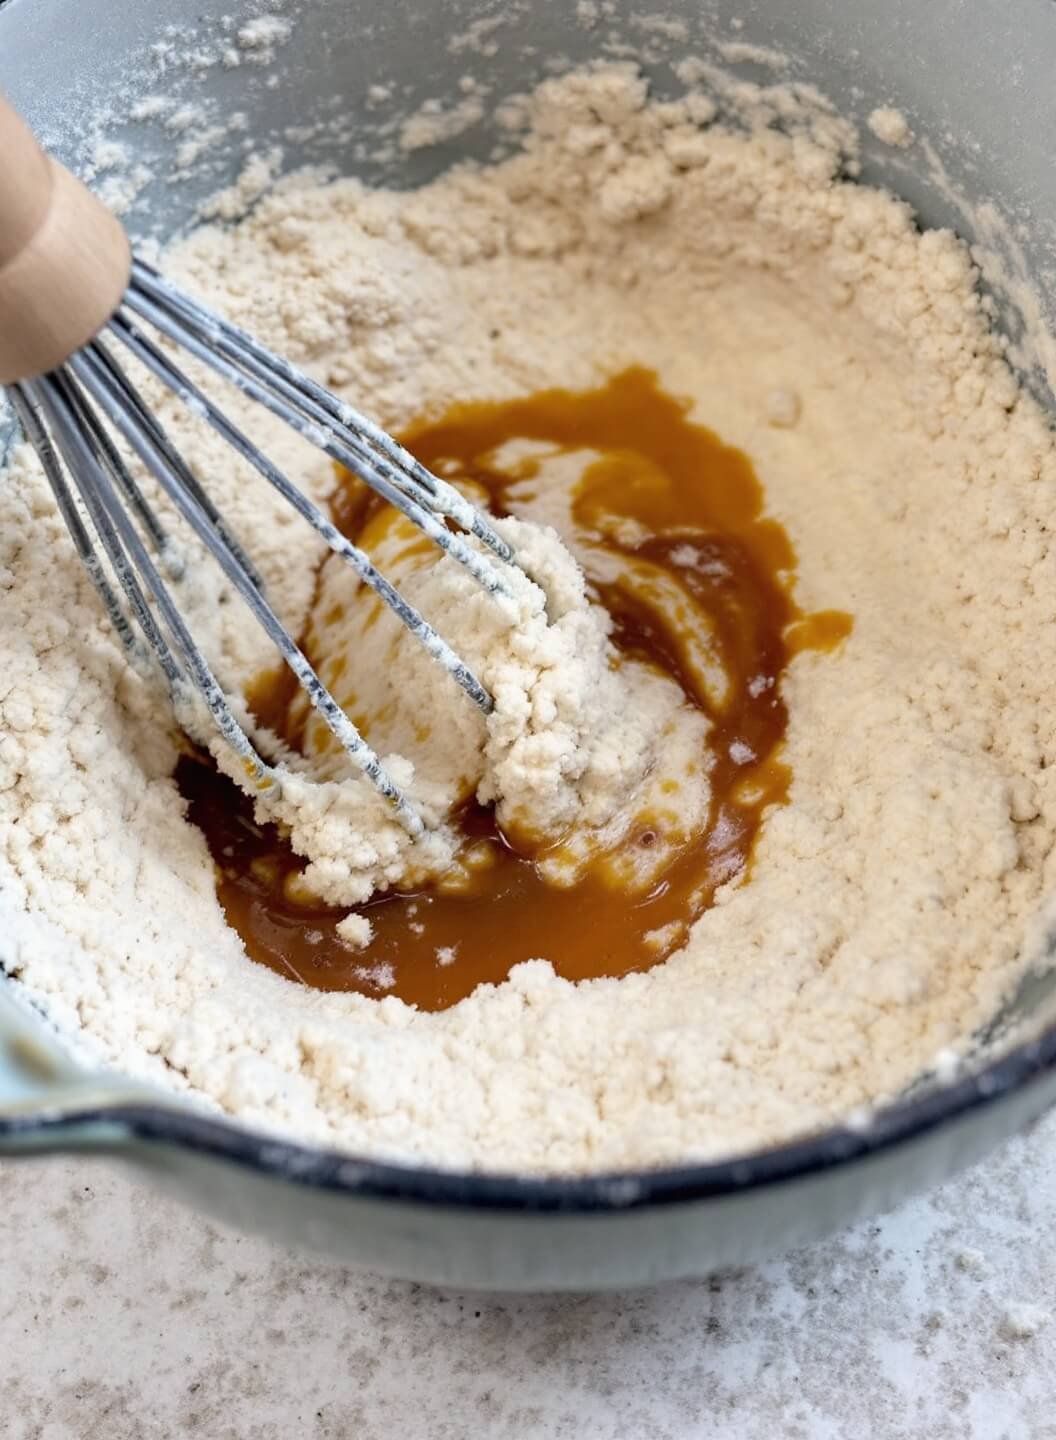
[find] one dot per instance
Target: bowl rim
(618, 1191)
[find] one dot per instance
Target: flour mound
(893, 902)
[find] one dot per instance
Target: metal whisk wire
(71, 417)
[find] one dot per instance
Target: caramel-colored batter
(682, 515)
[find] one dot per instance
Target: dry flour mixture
(891, 901)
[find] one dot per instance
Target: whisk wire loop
(79, 417)
(91, 369)
(63, 405)
(199, 402)
(27, 408)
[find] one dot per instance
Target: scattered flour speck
(890, 126)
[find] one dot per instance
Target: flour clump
(569, 745)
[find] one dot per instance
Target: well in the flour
(631, 757)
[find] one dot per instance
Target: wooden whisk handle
(64, 259)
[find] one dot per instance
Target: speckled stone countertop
(123, 1317)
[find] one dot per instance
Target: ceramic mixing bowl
(974, 77)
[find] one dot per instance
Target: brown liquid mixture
(697, 507)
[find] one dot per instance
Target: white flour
(891, 901)
(890, 126)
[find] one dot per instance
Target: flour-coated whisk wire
(78, 415)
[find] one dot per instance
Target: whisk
(73, 301)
